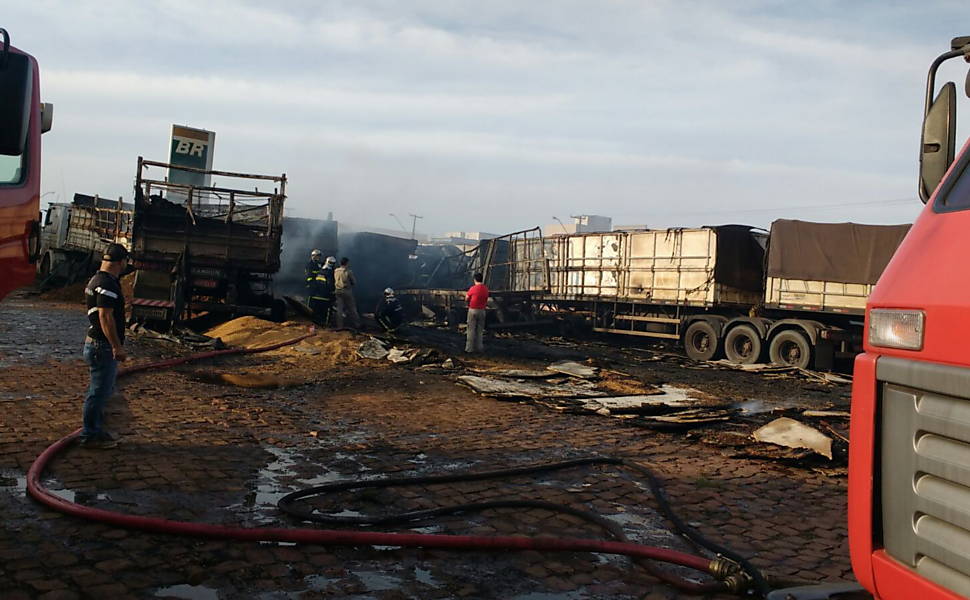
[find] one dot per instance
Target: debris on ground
(397, 355)
(516, 373)
(827, 413)
(373, 349)
(637, 404)
(183, 337)
(499, 388)
(793, 434)
(772, 370)
(686, 419)
(573, 369)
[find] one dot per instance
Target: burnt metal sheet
(573, 369)
(516, 389)
(792, 434)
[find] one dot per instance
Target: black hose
(758, 579)
(613, 529)
(288, 504)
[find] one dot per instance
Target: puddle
(424, 576)
(278, 479)
(317, 583)
(429, 529)
(13, 481)
(68, 495)
(419, 459)
(377, 582)
(188, 592)
(643, 528)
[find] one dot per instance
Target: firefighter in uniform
(320, 287)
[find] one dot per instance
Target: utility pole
(414, 222)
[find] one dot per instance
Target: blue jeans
(104, 371)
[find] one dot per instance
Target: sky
(499, 116)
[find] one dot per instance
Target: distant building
(580, 224)
(463, 238)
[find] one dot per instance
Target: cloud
(500, 113)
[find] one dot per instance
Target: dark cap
(115, 253)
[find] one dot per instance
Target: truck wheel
(278, 310)
(790, 348)
(45, 266)
(742, 345)
(700, 341)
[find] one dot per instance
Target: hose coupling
(730, 574)
(738, 583)
(722, 567)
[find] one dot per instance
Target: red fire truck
(23, 118)
(909, 461)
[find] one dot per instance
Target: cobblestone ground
(212, 453)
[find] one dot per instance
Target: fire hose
(731, 570)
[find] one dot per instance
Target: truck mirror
(16, 85)
(939, 139)
(46, 116)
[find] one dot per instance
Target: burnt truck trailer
(795, 295)
(211, 248)
(74, 236)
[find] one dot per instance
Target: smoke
(378, 261)
(300, 237)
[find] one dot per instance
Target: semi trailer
(795, 295)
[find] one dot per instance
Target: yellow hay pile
(326, 347)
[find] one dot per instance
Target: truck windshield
(11, 169)
(955, 193)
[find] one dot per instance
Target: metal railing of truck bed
(96, 221)
(252, 207)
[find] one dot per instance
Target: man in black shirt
(104, 344)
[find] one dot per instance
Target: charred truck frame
(795, 295)
(205, 248)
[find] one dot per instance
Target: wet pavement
(208, 452)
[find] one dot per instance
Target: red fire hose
(329, 536)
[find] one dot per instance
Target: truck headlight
(896, 328)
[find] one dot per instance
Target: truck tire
(278, 310)
(701, 341)
(742, 345)
(790, 348)
(45, 266)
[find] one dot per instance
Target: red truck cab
(23, 118)
(909, 460)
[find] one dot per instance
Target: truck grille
(925, 469)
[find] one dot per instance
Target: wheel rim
(701, 341)
(791, 353)
(743, 346)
